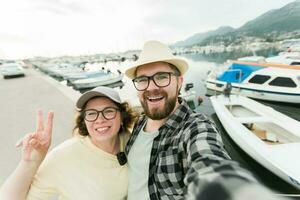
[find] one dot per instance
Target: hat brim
(181, 64)
(90, 94)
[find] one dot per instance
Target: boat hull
(271, 82)
(95, 82)
(216, 87)
(278, 157)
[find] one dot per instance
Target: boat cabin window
(259, 79)
(283, 82)
(295, 63)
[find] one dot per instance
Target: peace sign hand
(35, 145)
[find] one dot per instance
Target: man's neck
(154, 125)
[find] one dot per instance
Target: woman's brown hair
(128, 117)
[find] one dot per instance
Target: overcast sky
(73, 27)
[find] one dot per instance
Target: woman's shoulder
(68, 146)
(59, 160)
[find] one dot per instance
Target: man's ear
(180, 81)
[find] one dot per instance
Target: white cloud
(54, 27)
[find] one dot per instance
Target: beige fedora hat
(155, 51)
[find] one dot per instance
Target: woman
(83, 167)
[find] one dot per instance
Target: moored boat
(272, 82)
(70, 78)
(105, 79)
(289, 58)
(268, 136)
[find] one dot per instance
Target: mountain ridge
(264, 26)
(201, 36)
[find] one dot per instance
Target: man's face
(159, 102)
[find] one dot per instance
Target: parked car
(10, 70)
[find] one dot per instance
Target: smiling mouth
(155, 98)
(102, 129)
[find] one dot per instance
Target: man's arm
(212, 174)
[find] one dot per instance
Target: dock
(19, 100)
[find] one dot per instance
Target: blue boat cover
(237, 73)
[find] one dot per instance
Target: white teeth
(101, 129)
(154, 98)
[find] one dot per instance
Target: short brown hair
(128, 118)
(173, 67)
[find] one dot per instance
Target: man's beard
(159, 113)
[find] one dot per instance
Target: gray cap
(100, 91)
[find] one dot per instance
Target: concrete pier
(19, 100)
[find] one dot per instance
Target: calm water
(198, 68)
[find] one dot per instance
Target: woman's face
(103, 130)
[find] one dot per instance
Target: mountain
(285, 19)
(197, 38)
(272, 23)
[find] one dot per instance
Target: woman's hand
(35, 145)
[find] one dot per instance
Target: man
(175, 153)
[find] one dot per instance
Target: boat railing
(239, 72)
(215, 74)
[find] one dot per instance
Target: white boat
(256, 59)
(188, 93)
(268, 136)
(71, 77)
(190, 96)
(105, 79)
(9, 70)
(272, 82)
(58, 71)
(287, 57)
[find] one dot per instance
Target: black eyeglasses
(108, 113)
(160, 79)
